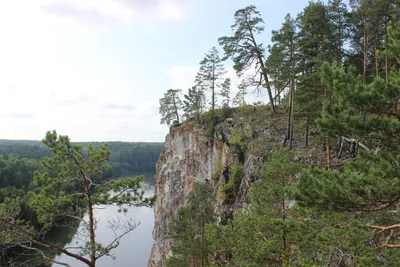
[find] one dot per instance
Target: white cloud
(182, 77)
(127, 11)
(49, 80)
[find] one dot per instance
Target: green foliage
(255, 236)
(170, 105)
(359, 109)
(315, 216)
(210, 77)
(243, 48)
(17, 172)
(282, 57)
(218, 165)
(18, 157)
(226, 93)
(188, 228)
(194, 103)
(231, 188)
(209, 119)
(393, 44)
(129, 158)
(365, 190)
(363, 185)
(339, 22)
(238, 139)
(239, 99)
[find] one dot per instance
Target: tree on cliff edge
(243, 48)
(194, 103)
(72, 187)
(170, 105)
(210, 78)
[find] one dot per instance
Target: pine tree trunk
(365, 51)
(263, 70)
(283, 245)
(328, 152)
(291, 135)
(387, 68)
(176, 109)
(91, 230)
(340, 45)
(290, 115)
(291, 99)
(307, 128)
(289, 118)
(271, 99)
(386, 54)
(376, 60)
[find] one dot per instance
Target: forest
(21, 164)
(331, 76)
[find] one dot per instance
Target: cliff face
(189, 157)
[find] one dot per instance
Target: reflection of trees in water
(149, 178)
(60, 236)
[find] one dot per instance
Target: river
(134, 248)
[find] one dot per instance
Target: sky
(95, 69)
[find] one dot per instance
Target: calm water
(134, 248)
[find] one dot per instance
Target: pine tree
(278, 75)
(285, 42)
(189, 229)
(239, 99)
(339, 28)
(73, 185)
(313, 24)
(393, 42)
(243, 48)
(194, 103)
(226, 93)
(170, 105)
(364, 114)
(209, 77)
(263, 234)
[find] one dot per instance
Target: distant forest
(20, 158)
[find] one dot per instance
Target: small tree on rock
(170, 105)
(226, 93)
(194, 103)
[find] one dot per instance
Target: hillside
(244, 136)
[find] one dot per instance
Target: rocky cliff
(189, 157)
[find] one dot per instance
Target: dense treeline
(336, 68)
(17, 172)
(127, 157)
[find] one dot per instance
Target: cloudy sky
(95, 69)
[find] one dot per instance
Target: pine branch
(44, 255)
(384, 228)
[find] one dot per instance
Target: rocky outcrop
(190, 157)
